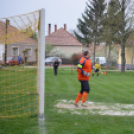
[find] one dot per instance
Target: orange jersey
(84, 65)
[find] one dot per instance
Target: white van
(102, 60)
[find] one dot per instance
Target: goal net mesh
(18, 65)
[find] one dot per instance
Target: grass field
(115, 88)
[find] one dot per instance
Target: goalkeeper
(84, 69)
(97, 68)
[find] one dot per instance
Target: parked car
(11, 61)
(51, 60)
(0, 65)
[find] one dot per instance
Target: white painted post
(41, 65)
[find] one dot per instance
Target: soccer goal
(22, 53)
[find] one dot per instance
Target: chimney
(49, 29)
(65, 27)
(55, 27)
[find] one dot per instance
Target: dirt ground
(115, 109)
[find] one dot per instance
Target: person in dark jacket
(55, 65)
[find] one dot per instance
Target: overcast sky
(57, 11)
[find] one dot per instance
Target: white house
(16, 44)
(2, 49)
(63, 40)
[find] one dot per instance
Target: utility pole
(7, 23)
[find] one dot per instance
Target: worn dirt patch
(71, 106)
(113, 109)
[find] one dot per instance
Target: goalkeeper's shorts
(84, 87)
(97, 70)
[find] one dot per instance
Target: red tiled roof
(98, 47)
(2, 31)
(61, 38)
(28, 41)
(16, 35)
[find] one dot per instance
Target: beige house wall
(128, 55)
(70, 49)
(21, 48)
(84, 48)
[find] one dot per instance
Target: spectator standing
(55, 65)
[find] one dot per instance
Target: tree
(71, 31)
(126, 8)
(122, 12)
(90, 26)
(30, 33)
(111, 23)
(36, 54)
(76, 57)
(48, 49)
(132, 58)
(57, 52)
(25, 52)
(122, 30)
(34, 36)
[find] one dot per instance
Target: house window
(15, 51)
(28, 51)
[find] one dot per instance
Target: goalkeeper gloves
(86, 74)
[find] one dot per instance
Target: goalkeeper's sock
(84, 97)
(97, 74)
(93, 75)
(79, 96)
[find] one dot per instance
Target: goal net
(20, 65)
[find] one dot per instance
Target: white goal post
(41, 65)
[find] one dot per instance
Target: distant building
(63, 40)
(19, 43)
(129, 55)
(2, 46)
(29, 45)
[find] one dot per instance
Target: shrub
(76, 57)
(57, 52)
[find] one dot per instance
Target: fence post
(71, 70)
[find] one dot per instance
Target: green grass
(115, 88)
